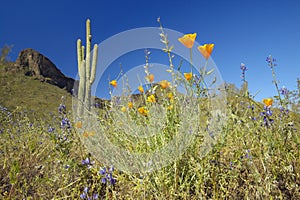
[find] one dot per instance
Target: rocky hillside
(33, 63)
(34, 84)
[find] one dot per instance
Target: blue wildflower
(95, 196)
(284, 91)
(83, 196)
(86, 161)
(103, 180)
(62, 108)
(244, 69)
(102, 171)
(108, 177)
(51, 129)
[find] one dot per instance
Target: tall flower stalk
(243, 76)
(271, 62)
(168, 49)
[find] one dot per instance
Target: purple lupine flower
(62, 108)
(111, 169)
(86, 161)
(51, 129)
(86, 190)
(113, 181)
(95, 196)
(83, 196)
(3, 108)
(107, 175)
(271, 61)
(248, 155)
(251, 107)
(284, 91)
(103, 180)
(102, 171)
(65, 123)
(269, 112)
(244, 69)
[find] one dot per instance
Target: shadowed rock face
(37, 65)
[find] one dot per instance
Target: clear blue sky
(242, 30)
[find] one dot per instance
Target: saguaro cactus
(86, 69)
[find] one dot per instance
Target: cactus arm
(88, 48)
(94, 64)
(79, 53)
(82, 52)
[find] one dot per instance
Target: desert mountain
(33, 63)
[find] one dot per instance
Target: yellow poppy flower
(188, 40)
(268, 101)
(164, 84)
(170, 95)
(170, 107)
(123, 109)
(206, 50)
(87, 134)
(151, 98)
(143, 111)
(150, 78)
(130, 105)
(188, 76)
(141, 89)
(113, 83)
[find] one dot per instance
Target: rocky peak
(37, 65)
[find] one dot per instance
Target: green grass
(44, 153)
(250, 160)
(38, 98)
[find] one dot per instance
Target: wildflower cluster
(90, 192)
(107, 176)
(271, 61)
(5, 114)
(62, 136)
(85, 195)
(87, 162)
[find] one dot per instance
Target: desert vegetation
(44, 156)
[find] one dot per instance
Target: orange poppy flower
(188, 40)
(78, 124)
(130, 105)
(141, 89)
(206, 50)
(164, 84)
(113, 83)
(151, 98)
(170, 95)
(268, 101)
(188, 76)
(143, 111)
(87, 134)
(150, 78)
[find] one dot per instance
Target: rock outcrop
(37, 65)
